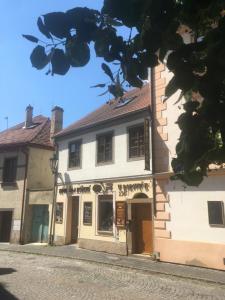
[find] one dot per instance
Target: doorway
(40, 223)
(74, 219)
(142, 228)
(5, 226)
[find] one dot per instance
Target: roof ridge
(41, 127)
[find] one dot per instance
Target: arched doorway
(141, 220)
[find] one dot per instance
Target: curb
(143, 270)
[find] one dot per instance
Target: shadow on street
(4, 294)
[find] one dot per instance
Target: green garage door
(40, 223)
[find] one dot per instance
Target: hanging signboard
(121, 214)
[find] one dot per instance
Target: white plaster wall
(189, 210)
(172, 113)
(89, 171)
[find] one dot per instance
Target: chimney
(56, 120)
(29, 116)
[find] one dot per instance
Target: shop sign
(87, 213)
(121, 214)
(102, 188)
(125, 188)
(78, 190)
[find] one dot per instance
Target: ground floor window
(105, 213)
(59, 213)
(216, 213)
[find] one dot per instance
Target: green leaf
(171, 88)
(108, 71)
(30, 38)
(60, 62)
(43, 29)
(100, 85)
(78, 52)
(57, 24)
(38, 58)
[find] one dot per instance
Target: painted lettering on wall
(125, 188)
(75, 190)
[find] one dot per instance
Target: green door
(40, 223)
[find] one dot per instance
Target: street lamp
(54, 164)
(54, 168)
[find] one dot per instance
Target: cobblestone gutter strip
(133, 263)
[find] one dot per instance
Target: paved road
(28, 277)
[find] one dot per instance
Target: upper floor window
(104, 148)
(216, 213)
(75, 154)
(10, 168)
(136, 142)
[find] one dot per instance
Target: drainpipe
(153, 127)
(55, 191)
(26, 153)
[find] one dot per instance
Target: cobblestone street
(40, 277)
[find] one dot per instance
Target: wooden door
(75, 219)
(142, 228)
(6, 223)
(40, 223)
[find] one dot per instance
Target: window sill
(99, 164)
(135, 158)
(105, 233)
(9, 184)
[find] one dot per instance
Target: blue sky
(20, 84)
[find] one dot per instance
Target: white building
(104, 192)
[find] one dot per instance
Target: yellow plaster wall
(90, 231)
(39, 171)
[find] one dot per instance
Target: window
(9, 171)
(104, 148)
(105, 213)
(136, 142)
(59, 213)
(87, 213)
(75, 154)
(216, 213)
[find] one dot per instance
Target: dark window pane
(87, 213)
(59, 213)
(136, 141)
(216, 212)
(75, 154)
(105, 213)
(10, 168)
(104, 148)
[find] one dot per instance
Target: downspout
(153, 127)
(21, 240)
(152, 83)
(55, 191)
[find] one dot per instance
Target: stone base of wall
(109, 247)
(59, 240)
(15, 237)
(208, 255)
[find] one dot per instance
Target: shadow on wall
(4, 294)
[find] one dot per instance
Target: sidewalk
(143, 264)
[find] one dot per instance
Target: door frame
(130, 245)
(75, 198)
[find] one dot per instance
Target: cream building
(26, 180)
(104, 199)
(189, 221)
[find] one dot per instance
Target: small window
(216, 213)
(59, 213)
(104, 148)
(105, 213)
(9, 171)
(87, 213)
(75, 154)
(136, 142)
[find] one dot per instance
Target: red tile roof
(38, 134)
(110, 111)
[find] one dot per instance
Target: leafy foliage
(157, 31)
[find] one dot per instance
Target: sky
(21, 85)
